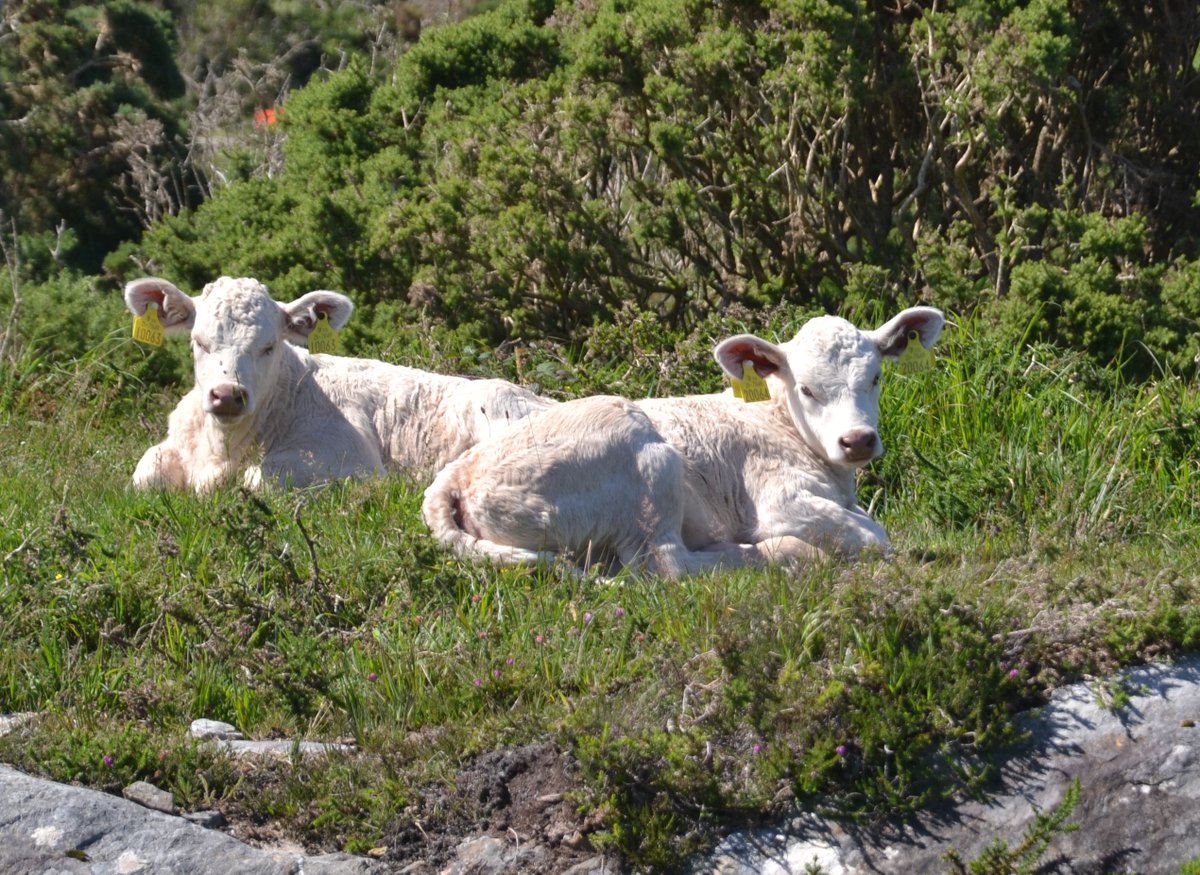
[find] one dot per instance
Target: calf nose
(860, 444)
(227, 400)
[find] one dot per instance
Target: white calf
(681, 484)
(314, 417)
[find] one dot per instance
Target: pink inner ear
(733, 352)
(898, 343)
(147, 295)
(893, 338)
(762, 366)
(748, 352)
(170, 315)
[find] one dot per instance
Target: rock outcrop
(57, 828)
(1138, 810)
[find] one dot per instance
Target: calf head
(828, 377)
(238, 331)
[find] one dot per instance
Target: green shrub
(531, 172)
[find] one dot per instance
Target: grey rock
(11, 722)
(284, 748)
(206, 819)
(47, 827)
(228, 735)
(1139, 773)
(598, 865)
(213, 729)
(146, 794)
(488, 855)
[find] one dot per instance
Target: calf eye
(806, 392)
(201, 345)
(875, 382)
(267, 350)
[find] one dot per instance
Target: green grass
(1045, 526)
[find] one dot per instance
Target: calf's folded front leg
(818, 526)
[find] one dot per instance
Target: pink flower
(840, 750)
(108, 761)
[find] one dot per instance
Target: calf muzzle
(860, 445)
(227, 401)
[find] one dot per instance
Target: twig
(315, 578)
(12, 258)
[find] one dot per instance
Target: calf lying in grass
(315, 417)
(677, 485)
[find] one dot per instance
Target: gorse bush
(537, 168)
(90, 97)
(117, 113)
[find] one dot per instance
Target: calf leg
(675, 559)
(195, 455)
(166, 466)
(160, 468)
(810, 525)
(786, 548)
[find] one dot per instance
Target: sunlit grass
(1044, 520)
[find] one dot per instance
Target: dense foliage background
(537, 168)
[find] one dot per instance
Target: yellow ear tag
(751, 387)
(324, 337)
(915, 357)
(147, 328)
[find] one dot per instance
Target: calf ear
(176, 311)
(302, 314)
(893, 336)
(766, 357)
